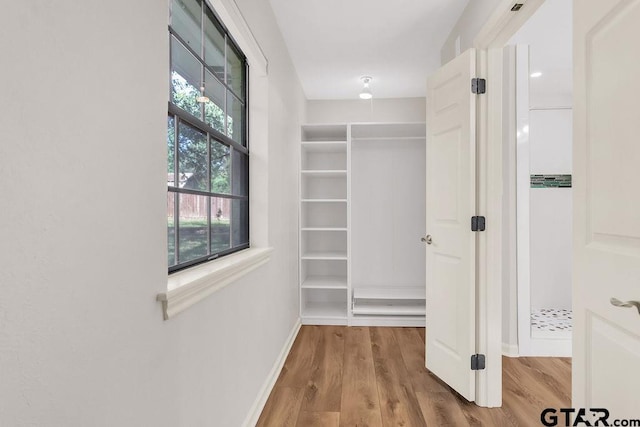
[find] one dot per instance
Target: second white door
(451, 202)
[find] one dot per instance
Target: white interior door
(451, 201)
(606, 206)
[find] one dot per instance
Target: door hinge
(477, 362)
(478, 223)
(478, 86)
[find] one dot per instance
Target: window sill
(185, 288)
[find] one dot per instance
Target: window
(207, 148)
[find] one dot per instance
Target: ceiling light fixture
(202, 98)
(536, 74)
(366, 92)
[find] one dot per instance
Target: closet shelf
(323, 229)
(323, 200)
(389, 138)
(324, 173)
(389, 293)
(389, 301)
(324, 132)
(325, 282)
(324, 146)
(325, 255)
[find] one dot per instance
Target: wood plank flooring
(373, 377)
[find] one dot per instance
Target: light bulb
(536, 74)
(366, 91)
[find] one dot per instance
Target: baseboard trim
(510, 350)
(265, 391)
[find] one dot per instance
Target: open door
(606, 289)
(451, 202)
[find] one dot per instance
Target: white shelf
(389, 138)
(323, 200)
(389, 293)
(324, 146)
(324, 173)
(324, 132)
(325, 282)
(325, 255)
(388, 308)
(323, 229)
(389, 301)
(327, 310)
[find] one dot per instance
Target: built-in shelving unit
(387, 169)
(362, 192)
(324, 209)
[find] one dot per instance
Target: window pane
(235, 70)
(192, 227)
(192, 158)
(214, 108)
(171, 137)
(220, 168)
(240, 168)
(185, 20)
(185, 79)
(235, 118)
(213, 45)
(205, 65)
(220, 219)
(171, 230)
(240, 222)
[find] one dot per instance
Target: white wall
(473, 18)
(388, 191)
(83, 226)
(400, 110)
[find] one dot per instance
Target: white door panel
(606, 205)
(450, 205)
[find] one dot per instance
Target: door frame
(489, 43)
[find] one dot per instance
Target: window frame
(212, 135)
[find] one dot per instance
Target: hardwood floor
(368, 377)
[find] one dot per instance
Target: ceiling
(335, 42)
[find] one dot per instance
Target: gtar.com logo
(582, 417)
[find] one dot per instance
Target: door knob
(427, 239)
(616, 302)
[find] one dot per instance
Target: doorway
(537, 249)
(488, 67)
